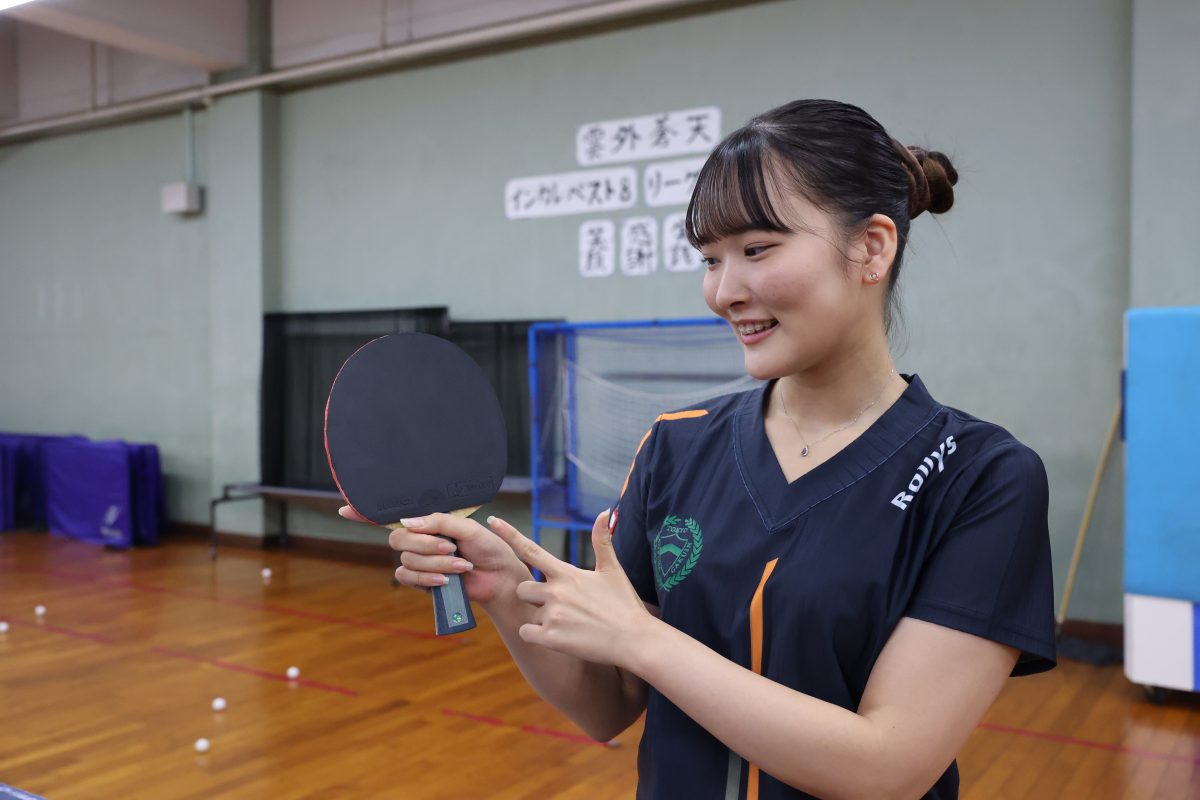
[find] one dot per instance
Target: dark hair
(836, 156)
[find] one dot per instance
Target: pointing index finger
(526, 549)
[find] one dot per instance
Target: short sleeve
(629, 534)
(989, 572)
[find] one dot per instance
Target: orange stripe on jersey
(756, 648)
(699, 412)
(661, 417)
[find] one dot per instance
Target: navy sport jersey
(931, 513)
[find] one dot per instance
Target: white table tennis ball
(3, 627)
(218, 704)
(40, 611)
(293, 673)
(202, 745)
(266, 572)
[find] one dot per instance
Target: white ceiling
(208, 35)
(59, 57)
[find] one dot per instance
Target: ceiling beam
(209, 35)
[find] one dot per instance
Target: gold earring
(874, 277)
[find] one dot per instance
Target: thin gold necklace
(807, 446)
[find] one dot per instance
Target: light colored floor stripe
(733, 779)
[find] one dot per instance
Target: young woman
(814, 588)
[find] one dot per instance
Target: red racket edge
(452, 608)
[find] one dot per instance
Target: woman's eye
(708, 261)
(757, 249)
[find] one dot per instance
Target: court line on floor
(75, 634)
(1133, 751)
(168, 652)
(317, 616)
(990, 726)
(532, 729)
(1116, 748)
(260, 673)
(549, 732)
(380, 627)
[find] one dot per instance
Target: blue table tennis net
(596, 388)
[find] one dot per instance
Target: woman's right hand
(489, 567)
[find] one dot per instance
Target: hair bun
(931, 180)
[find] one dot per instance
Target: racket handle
(451, 609)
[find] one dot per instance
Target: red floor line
(93, 637)
(1116, 748)
(355, 623)
(101, 639)
(391, 630)
(450, 712)
(572, 737)
(170, 653)
(259, 673)
(57, 573)
(533, 729)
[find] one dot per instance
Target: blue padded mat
(88, 491)
(1162, 452)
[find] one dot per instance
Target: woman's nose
(731, 289)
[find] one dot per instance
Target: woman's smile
(754, 331)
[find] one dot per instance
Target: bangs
(732, 195)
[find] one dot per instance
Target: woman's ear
(877, 243)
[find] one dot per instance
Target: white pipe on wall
(346, 65)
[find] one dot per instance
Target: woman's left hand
(595, 615)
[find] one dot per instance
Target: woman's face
(794, 299)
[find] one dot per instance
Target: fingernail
(462, 563)
(441, 580)
(612, 522)
(492, 520)
(415, 522)
(446, 547)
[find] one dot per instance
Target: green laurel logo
(676, 550)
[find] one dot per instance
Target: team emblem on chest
(676, 551)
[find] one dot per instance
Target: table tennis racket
(413, 427)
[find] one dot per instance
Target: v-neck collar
(780, 503)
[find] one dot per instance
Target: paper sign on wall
(639, 246)
(644, 241)
(670, 183)
(571, 193)
(597, 248)
(678, 253)
(670, 133)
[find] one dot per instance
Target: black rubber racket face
(413, 427)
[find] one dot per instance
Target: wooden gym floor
(105, 696)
